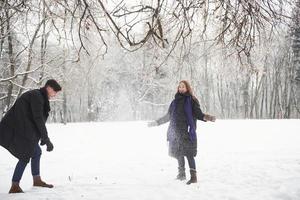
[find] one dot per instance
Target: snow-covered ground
(237, 160)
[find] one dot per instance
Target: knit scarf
(188, 114)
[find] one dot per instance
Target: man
(23, 127)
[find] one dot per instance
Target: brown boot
(15, 188)
(193, 177)
(37, 181)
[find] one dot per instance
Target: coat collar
(44, 93)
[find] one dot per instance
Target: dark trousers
(191, 161)
(35, 165)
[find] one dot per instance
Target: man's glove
(48, 143)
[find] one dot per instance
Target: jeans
(35, 165)
(191, 161)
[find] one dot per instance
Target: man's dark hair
(53, 84)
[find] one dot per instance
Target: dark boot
(15, 188)
(193, 177)
(181, 174)
(37, 181)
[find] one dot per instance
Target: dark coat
(24, 124)
(180, 143)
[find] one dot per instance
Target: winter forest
(122, 59)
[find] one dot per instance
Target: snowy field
(237, 160)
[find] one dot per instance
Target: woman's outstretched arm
(161, 120)
(197, 112)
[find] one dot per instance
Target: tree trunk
(30, 57)
(296, 52)
(246, 96)
(65, 113)
(207, 83)
(43, 46)
(11, 61)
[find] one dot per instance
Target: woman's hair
(188, 87)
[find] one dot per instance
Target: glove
(210, 118)
(49, 146)
(48, 143)
(153, 123)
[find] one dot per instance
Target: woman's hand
(209, 118)
(152, 123)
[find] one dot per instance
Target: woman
(182, 114)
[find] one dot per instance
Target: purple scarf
(189, 116)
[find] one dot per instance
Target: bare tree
(213, 43)
(296, 50)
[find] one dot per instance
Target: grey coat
(180, 144)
